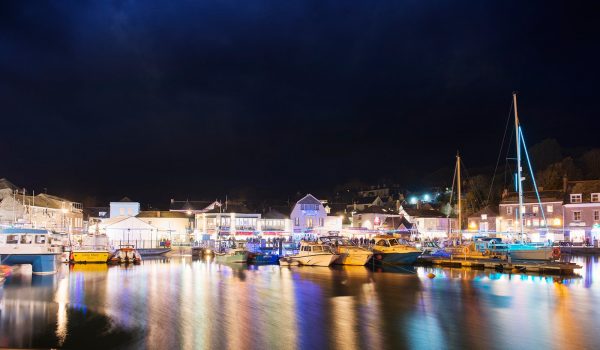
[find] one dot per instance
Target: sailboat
(521, 249)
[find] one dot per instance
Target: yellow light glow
(472, 225)
(556, 222)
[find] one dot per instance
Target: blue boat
(33, 247)
(265, 258)
(387, 250)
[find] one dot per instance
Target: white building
(309, 217)
(124, 207)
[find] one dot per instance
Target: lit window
(297, 222)
(509, 210)
(576, 198)
(121, 211)
(595, 197)
(535, 209)
(549, 209)
(483, 216)
(576, 216)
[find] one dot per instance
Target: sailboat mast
(519, 169)
(459, 194)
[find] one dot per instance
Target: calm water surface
(172, 303)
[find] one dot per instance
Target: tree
(591, 164)
(545, 153)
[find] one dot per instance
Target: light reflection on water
(184, 303)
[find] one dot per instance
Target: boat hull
(41, 264)
(153, 251)
(532, 254)
(231, 259)
(265, 259)
(98, 257)
(353, 259)
(407, 258)
(316, 259)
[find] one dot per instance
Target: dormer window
(595, 197)
(576, 198)
(483, 217)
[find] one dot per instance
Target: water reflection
(185, 303)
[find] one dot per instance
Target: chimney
(565, 181)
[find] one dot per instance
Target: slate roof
(530, 197)
(189, 205)
(424, 213)
(4, 183)
(309, 199)
(375, 209)
(162, 214)
(275, 214)
(397, 222)
(366, 200)
(583, 187)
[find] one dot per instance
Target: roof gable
(309, 199)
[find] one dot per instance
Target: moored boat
(126, 254)
(314, 254)
(94, 250)
(31, 247)
(349, 254)
(387, 250)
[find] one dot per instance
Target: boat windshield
(393, 242)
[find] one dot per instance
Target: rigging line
(452, 191)
(507, 152)
(500, 151)
(533, 177)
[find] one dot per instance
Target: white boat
(387, 250)
(349, 254)
(288, 261)
(314, 254)
(30, 246)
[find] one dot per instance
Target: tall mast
(459, 194)
(519, 169)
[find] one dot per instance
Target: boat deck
(546, 267)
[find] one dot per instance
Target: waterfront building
(542, 220)
(373, 217)
(275, 224)
(176, 225)
(41, 211)
(485, 220)
(309, 217)
(429, 223)
(232, 219)
(124, 207)
(582, 210)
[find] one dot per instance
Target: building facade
(542, 220)
(582, 211)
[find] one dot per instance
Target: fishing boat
(314, 254)
(31, 247)
(349, 253)
(387, 250)
(93, 250)
(126, 254)
(233, 255)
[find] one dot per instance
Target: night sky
(198, 99)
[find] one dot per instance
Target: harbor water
(184, 303)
